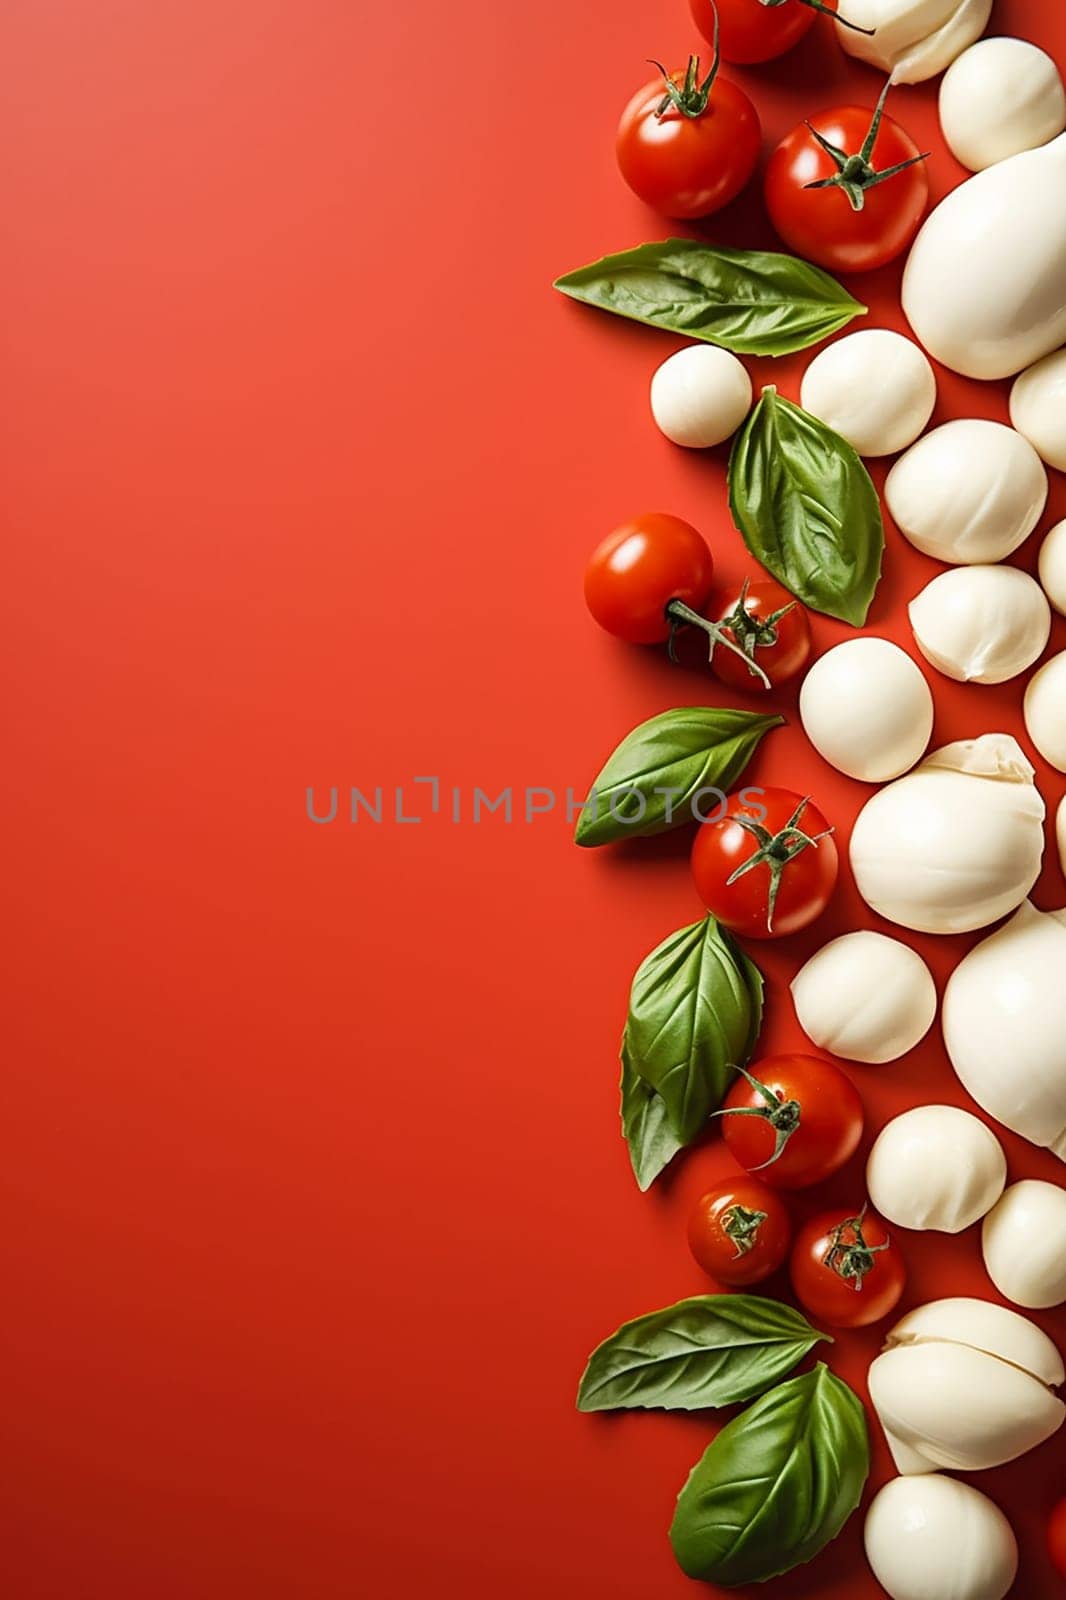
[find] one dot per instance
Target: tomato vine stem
(856, 174)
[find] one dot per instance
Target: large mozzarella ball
(1023, 1239)
(867, 709)
(1004, 1021)
(1053, 566)
(866, 997)
(935, 1168)
(981, 624)
(933, 1538)
(965, 1384)
(955, 844)
(875, 388)
(911, 39)
(998, 98)
(1045, 710)
(700, 396)
(1038, 407)
(968, 492)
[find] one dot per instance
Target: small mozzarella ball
(1045, 710)
(981, 624)
(1000, 97)
(935, 1168)
(970, 491)
(933, 1538)
(875, 388)
(1023, 1239)
(1038, 407)
(866, 997)
(1053, 566)
(1060, 832)
(700, 396)
(867, 709)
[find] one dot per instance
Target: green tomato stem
(775, 851)
(855, 174)
(680, 615)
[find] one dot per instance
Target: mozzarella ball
(981, 624)
(967, 1385)
(1000, 97)
(1023, 1239)
(1038, 407)
(935, 1168)
(866, 997)
(911, 39)
(933, 1538)
(867, 709)
(700, 396)
(955, 844)
(1053, 566)
(1060, 832)
(968, 492)
(1004, 1022)
(875, 388)
(1044, 707)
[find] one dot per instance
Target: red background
(313, 1194)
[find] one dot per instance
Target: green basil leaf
(755, 302)
(712, 1350)
(655, 777)
(652, 1143)
(807, 508)
(695, 1009)
(776, 1485)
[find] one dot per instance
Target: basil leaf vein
(695, 1010)
(754, 302)
(807, 508)
(710, 1350)
(679, 753)
(776, 1485)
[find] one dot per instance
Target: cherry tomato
(793, 1119)
(686, 147)
(755, 30)
(847, 192)
(641, 568)
(1056, 1536)
(644, 580)
(768, 866)
(846, 1270)
(739, 1232)
(771, 628)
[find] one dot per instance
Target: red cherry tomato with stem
(740, 1232)
(1056, 1536)
(766, 867)
(846, 1270)
(793, 1119)
(644, 580)
(689, 147)
(770, 628)
(845, 191)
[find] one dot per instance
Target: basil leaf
(695, 1009)
(776, 1485)
(755, 302)
(712, 1350)
(654, 779)
(652, 1144)
(807, 508)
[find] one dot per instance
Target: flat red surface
(313, 1193)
